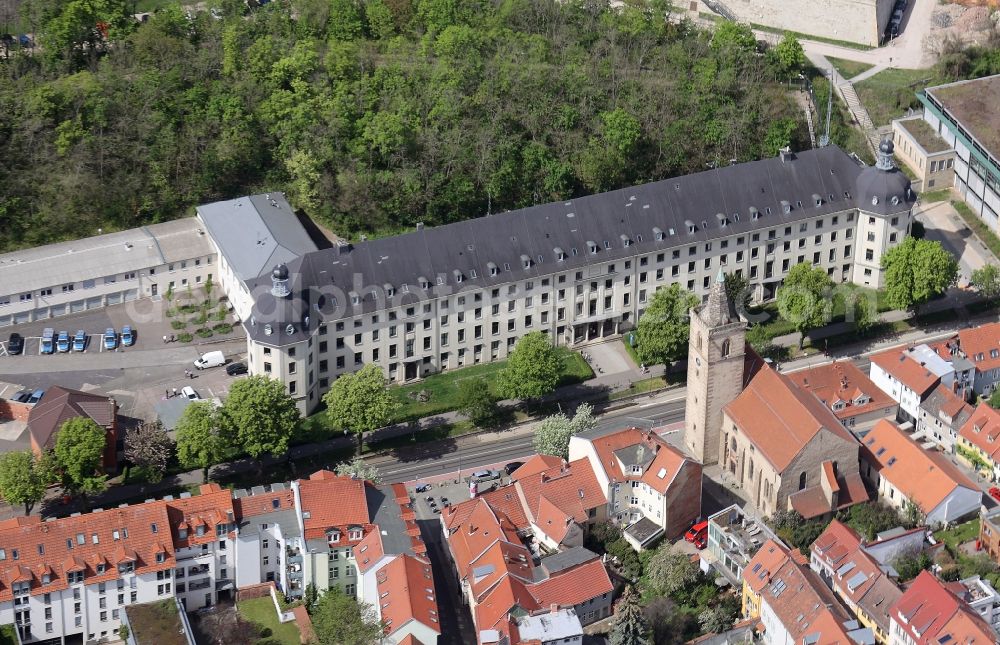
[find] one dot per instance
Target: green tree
(79, 456)
(803, 299)
(199, 442)
(311, 597)
(339, 619)
(738, 290)
(533, 369)
(360, 402)
(346, 20)
(552, 435)
(663, 329)
(735, 37)
(789, 55)
(81, 27)
(629, 626)
(717, 618)
(23, 478)
(476, 402)
(780, 134)
(987, 280)
(995, 399)
(259, 417)
(359, 469)
(916, 271)
(669, 571)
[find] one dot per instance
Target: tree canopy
(339, 619)
(916, 271)
(371, 116)
(148, 446)
(664, 327)
(553, 433)
(258, 416)
(987, 279)
(477, 402)
(533, 369)
(23, 478)
(804, 298)
(79, 456)
(628, 626)
(360, 402)
(199, 442)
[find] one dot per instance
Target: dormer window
(817, 200)
(722, 220)
(46, 579)
(657, 234)
(493, 268)
(355, 298)
(440, 279)
(625, 241)
(199, 531)
(607, 245)
(334, 536)
(874, 200)
(182, 533)
(424, 283)
(786, 207)
(355, 534)
(101, 568)
(126, 567)
(161, 557)
(690, 226)
(560, 255)
(895, 200)
(592, 247)
(525, 262)
(473, 274)
(458, 276)
(390, 291)
(754, 213)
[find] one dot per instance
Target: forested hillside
(373, 115)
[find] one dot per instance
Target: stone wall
(683, 500)
(856, 21)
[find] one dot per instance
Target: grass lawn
(631, 351)
(958, 534)
(156, 622)
(639, 387)
(988, 237)
(261, 611)
(848, 68)
(931, 196)
(889, 93)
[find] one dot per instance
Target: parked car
(110, 338)
(235, 369)
(698, 530)
(995, 493)
(48, 341)
(15, 344)
(127, 336)
(512, 466)
(36, 396)
(422, 488)
(62, 342)
(80, 341)
(188, 393)
(485, 475)
(22, 396)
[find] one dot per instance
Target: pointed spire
(719, 309)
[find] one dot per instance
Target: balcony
(294, 575)
(201, 584)
(198, 571)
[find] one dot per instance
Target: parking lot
(139, 376)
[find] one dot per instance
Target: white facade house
(94, 272)
(909, 374)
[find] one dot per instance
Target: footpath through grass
(848, 68)
(260, 611)
(888, 94)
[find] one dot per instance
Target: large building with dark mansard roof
(580, 270)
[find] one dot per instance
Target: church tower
(715, 371)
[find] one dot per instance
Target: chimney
(553, 608)
(786, 154)
(420, 226)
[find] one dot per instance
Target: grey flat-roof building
(93, 272)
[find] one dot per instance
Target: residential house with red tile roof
(979, 441)
(503, 581)
(756, 575)
(405, 599)
(84, 569)
(863, 583)
(652, 490)
(942, 415)
(60, 404)
(908, 374)
(904, 473)
(561, 503)
(787, 450)
(849, 393)
(981, 346)
(928, 614)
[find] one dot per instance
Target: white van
(211, 359)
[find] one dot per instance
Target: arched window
(802, 481)
(725, 348)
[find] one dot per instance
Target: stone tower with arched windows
(715, 371)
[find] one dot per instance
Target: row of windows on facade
(771, 234)
(112, 279)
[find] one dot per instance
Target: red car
(995, 493)
(698, 534)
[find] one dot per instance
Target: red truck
(698, 535)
